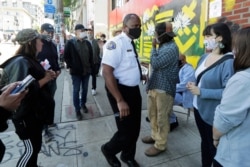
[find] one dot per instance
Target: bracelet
(216, 139)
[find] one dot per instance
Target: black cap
(47, 27)
(80, 27)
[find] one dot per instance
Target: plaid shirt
(164, 64)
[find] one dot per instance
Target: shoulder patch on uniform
(111, 45)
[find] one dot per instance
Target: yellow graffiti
(202, 22)
(229, 5)
(167, 14)
(189, 11)
(189, 37)
(187, 44)
(150, 13)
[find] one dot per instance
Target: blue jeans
(80, 82)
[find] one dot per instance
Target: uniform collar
(126, 37)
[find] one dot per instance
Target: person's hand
(123, 109)
(154, 43)
(11, 101)
(216, 143)
(50, 75)
(195, 90)
(58, 73)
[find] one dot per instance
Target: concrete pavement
(77, 143)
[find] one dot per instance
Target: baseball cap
(26, 35)
(47, 27)
(169, 29)
(80, 27)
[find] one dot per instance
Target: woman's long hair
(241, 45)
(28, 49)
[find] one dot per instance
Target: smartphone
(23, 85)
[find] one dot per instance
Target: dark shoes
(112, 159)
(79, 115)
(174, 125)
(130, 163)
(85, 109)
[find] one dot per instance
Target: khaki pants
(160, 106)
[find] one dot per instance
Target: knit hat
(26, 35)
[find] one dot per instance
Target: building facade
(189, 18)
(16, 15)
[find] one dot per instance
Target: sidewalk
(77, 143)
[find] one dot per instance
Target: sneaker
(84, 109)
(93, 92)
(78, 115)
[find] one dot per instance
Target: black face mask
(135, 32)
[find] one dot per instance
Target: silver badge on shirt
(111, 45)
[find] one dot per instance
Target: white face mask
(83, 35)
(210, 44)
(90, 36)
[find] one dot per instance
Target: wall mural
(188, 22)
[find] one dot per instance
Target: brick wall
(240, 14)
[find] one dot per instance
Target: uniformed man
(122, 74)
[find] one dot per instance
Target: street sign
(66, 12)
(49, 8)
(50, 2)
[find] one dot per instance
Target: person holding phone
(33, 113)
(8, 103)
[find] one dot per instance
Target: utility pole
(60, 6)
(60, 30)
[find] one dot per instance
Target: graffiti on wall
(188, 19)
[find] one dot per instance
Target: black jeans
(94, 72)
(208, 150)
(124, 140)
